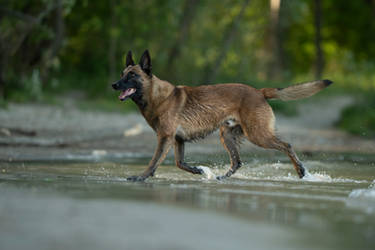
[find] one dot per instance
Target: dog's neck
(155, 94)
(160, 91)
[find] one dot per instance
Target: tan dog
(180, 114)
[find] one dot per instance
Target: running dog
(180, 114)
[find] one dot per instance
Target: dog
(180, 114)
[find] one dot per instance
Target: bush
(359, 118)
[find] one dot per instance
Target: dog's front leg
(179, 152)
(164, 144)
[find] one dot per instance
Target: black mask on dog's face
(129, 85)
(131, 82)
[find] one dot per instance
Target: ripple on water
(285, 173)
(363, 199)
(279, 172)
(368, 194)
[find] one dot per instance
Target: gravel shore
(45, 132)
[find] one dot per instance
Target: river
(88, 204)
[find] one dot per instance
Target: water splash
(363, 199)
(284, 172)
(368, 193)
(323, 177)
(363, 194)
(317, 177)
(208, 174)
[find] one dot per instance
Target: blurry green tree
(65, 44)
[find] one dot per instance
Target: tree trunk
(212, 71)
(112, 50)
(319, 62)
(184, 24)
(274, 52)
(373, 7)
(60, 30)
(56, 43)
(2, 82)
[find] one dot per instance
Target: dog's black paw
(227, 175)
(136, 178)
(221, 177)
(302, 172)
(196, 170)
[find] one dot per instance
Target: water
(89, 205)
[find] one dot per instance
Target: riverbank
(45, 132)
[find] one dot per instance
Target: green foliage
(93, 85)
(286, 108)
(3, 104)
(97, 34)
(359, 118)
(93, 28)
(107, 105)
(347, 23)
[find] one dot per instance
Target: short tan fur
(180, 114)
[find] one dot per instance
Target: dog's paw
(301, 171)
(197, 170)
(136, 178)
(221, 177)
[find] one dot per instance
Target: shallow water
(89, 205)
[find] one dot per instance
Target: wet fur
(180, 114)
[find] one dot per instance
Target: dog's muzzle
(115, 86)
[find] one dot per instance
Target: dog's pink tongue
(126, 93)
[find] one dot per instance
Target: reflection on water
(332, 208)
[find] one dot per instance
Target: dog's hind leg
(260, 131)
(179, 152)
(275, 143)
(287, 148)
(229, 137)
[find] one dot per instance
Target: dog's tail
(297, 91)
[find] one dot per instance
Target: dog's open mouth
(126, 93)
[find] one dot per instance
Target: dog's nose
(115, 86)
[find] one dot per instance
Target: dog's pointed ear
(129, 59)
(145, 63)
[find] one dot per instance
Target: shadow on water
(264, 205)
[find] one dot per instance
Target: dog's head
(135, 79)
